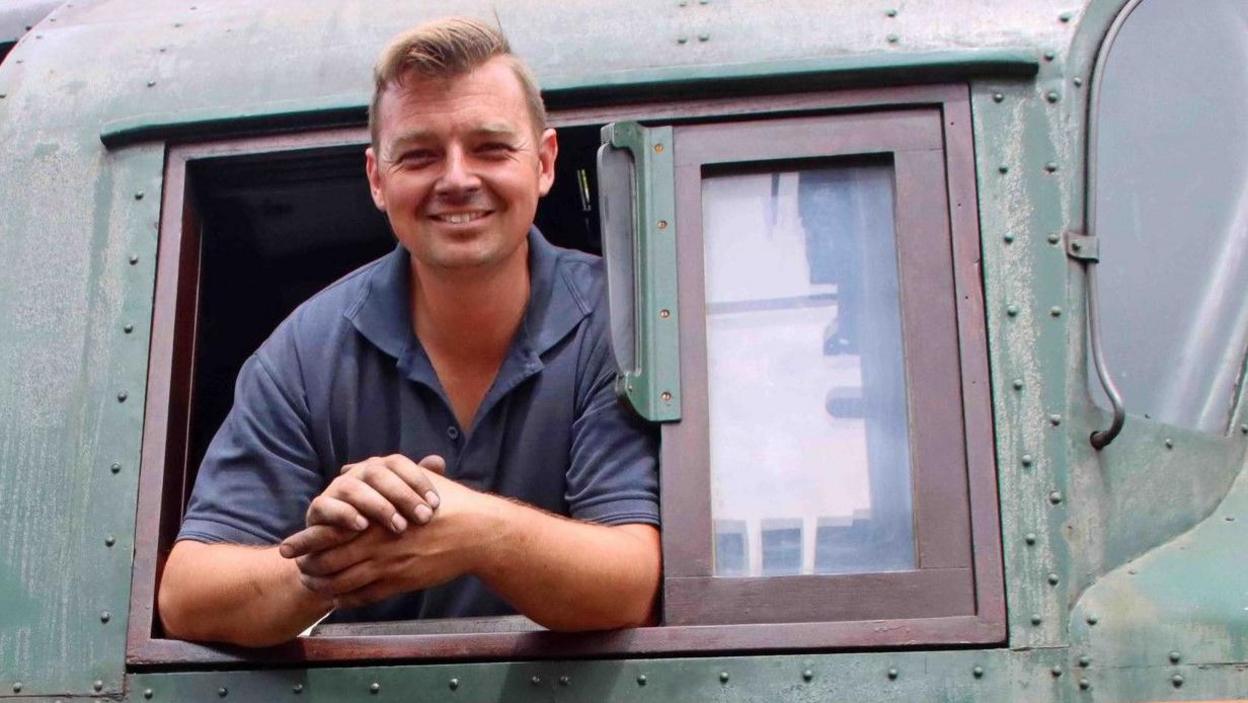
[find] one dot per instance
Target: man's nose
(458, 175)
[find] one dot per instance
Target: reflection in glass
(810, 460)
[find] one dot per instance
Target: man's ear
(547, 151)
(374, 179)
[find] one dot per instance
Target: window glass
(809, 453)
(1172, 210)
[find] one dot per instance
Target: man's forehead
(422, 133)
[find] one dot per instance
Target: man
(475, 345)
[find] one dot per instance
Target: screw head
(658, 148)
(666, 396)
(665, 313)
(893, 674)
(662, 224)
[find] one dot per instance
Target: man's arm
(235, 593)
(561, 573)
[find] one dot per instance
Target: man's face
(459, 169)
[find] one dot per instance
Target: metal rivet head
(1092, 620)
(1055, 419)
(1085, 684)
(1011, 310)
(1008, 238)
(148, 693)
(1030, 538)
(665, 313)
(151, 84)
(535, 680)
(1054, 579)
(110, 541)
(1018, 384)
(297, 689)
(658, 148)
(17, 686)
(115, 468)
(1055, 497)
(1175, 657)
(374, 687)
(1065, 17)
(1003, 168)
(662, 224)
(978, 672)
(1056, 671)
(893, 39)
(723, 677)
(891, 12)
(1049, 56)
(1036, 620)
(1077, 81)
(893, 674)
(139, 194)
(97, 685)
(1054, 238)
(1055, 311)
(121, 397)
(1076, 246)
(807, 675)
(223, 692)
(453, 684)
(704, 37)
(1028, 460)
(134, 259)
(1051, 167)
(641, 679)
(1085, 661)
(1243, 429)
(1177, 680)
(128, 329)
(666, 397)
(1169, 443)
(564, 680)
(1052, 96)
(682, 40)
(998, 97)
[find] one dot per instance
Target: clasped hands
(372, 533)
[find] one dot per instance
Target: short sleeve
(260, 471)
(613, 474)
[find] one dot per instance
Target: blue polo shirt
(344, 378)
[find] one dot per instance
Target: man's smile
(460, 218)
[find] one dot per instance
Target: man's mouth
(460, 218)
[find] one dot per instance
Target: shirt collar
(382, 313)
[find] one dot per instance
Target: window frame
(169, 397)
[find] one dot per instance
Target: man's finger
(328, 510)
(372, 593)
(366, 499)
(394, 481)
(418, 481)
(335, 584)
(316, 538)
(434, 463)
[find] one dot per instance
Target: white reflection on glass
(810, 460)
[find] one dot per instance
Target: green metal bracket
(651, 384)
(1082, 247)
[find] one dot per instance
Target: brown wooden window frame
(163, 470)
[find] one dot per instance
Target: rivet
(1091, 620)
(374, 687)
(891, 12)
(1056, 671)
(998, 97)
(704, 37)
(97, 685)
(1030, 538)
(665, 313)
(723, 677)
(1018, 384)
(128, 329)
(535, 680)
(1243, 429)
(978, 672)
(163, 49)
(1229, 518)
(134, 259)
(1085, 684)
(807, 675)
(1003, 168)
(148, 693)
(115, 468)
(223, 692)
(453, 684)
(893, 38)
(297, 689)
(1028, 460)
(177, 24)
(139, 194)
(17, 686)
(1055, 420)
(1055, 311)
(682, 40)
(564, 680)
(893, 674)
(666, 396)
(1065, 17)
(658, 148)
(1175, 657)
(1011, 310)
(105, 616)
(1169, 443)
(1052, 96)
(1036, 620)
(641, 679)
(1054, 238)
(1055, 497)
(1049, 56)
(1076, 246)
(1054, 579)
(1077, 81)
(121, 397)
(1008, 238)
(662, 224)
(704, 2)
(1177, 680)
(3, 96)
(1051, 167)
(1085, 661)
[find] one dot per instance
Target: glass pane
(810, 459)
(1172, 210)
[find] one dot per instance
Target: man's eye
(494, 149)
(416, 158)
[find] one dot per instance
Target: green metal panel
(653, 388)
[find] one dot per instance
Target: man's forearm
(237, 594)
(570, 575)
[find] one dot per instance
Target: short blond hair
(448, 48)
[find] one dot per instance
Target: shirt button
(452, 432)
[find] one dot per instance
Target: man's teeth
(460, 218)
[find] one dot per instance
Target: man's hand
(388, 491)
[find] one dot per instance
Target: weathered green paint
(1137, 538)
(653, 388)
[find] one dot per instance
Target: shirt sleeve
(613, 476)
(260, 471)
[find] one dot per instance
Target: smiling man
(436, 434)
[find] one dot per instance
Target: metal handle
(641, 268)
